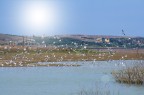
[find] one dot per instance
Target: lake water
(65, 80)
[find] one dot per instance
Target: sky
(58, 17)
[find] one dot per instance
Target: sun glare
(38, 16)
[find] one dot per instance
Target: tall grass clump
(98, 91)
(130, 75)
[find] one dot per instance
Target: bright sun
(39, 16)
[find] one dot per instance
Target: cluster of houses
(97, 39)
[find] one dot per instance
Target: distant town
(73, 41)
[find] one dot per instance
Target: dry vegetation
(98, 90)
(130, 75)
(30, 56)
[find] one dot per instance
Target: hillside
(81, 41)
(6, 38)
(75, 41)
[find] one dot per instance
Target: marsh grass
(99, 90)
(96, 92)
(130, 75)
(23, 56)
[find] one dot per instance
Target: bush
(130, 75)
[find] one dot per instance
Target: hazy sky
(92, 17)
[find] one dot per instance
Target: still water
(65, 80)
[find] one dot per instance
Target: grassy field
(32, 56)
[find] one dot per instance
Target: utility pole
(123, 32)
(23, 42)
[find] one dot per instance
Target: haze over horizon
(60, 17)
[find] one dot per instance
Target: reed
(130, 75)
(98, 91)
